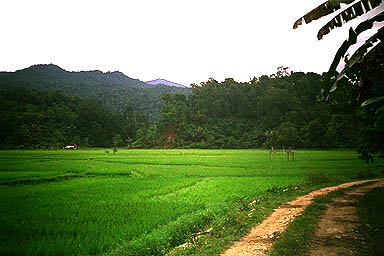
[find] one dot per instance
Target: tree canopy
(279, 110)
(34, 119)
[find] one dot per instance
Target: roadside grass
(147, 202)
(371, 212)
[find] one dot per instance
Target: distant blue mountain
(165, 82)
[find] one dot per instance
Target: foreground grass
(371, 212)
(146, 202)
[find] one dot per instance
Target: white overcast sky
(181, 41)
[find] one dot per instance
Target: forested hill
(54, 74)
(278, 110)
(114, 89)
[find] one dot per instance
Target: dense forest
(34, 119)
(280, 110)
(114, 89)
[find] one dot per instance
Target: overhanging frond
(324, 9)
(361, 52)
(372, 100)
(357, 60)
(368, 24)
(356, 10)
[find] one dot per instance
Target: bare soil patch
(261, 237)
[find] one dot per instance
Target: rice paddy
(146, 202)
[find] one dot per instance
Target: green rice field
(146, 202)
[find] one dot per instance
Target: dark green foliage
(358, 94)
(371, 211)
(360, 82)
(115, 90)
(33, 119)
(276, 111)
(279, 111)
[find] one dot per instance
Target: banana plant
(363, 72)
(343, 11)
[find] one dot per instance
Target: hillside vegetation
(270, 111)
(34, 119)
(114, 89)
(281, 110)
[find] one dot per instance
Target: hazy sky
(182, 41)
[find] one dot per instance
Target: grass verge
(371, 212)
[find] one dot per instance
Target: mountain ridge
(114, 89)
(165, 82)
(52, 72)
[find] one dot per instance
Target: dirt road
(337, 229)
(260, 239)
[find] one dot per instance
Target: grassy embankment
(146, 202)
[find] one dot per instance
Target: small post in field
(272, 150)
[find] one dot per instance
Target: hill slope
(52, 73)
(114, 89)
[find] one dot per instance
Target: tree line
(281, 110)
(34, 119)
